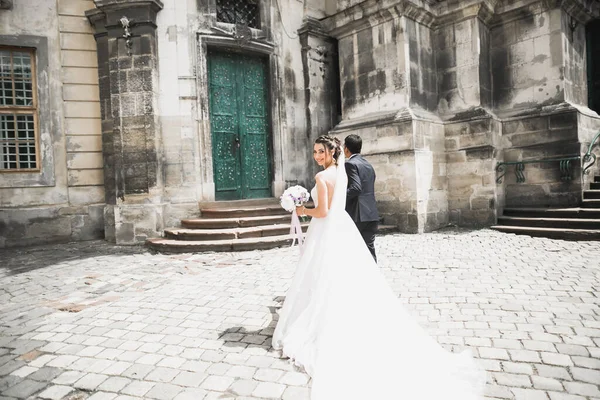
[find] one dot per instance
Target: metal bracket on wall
(564, 166)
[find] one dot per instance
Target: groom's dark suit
(360, 199)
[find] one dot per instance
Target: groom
(360, 196)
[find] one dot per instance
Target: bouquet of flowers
(293, 196)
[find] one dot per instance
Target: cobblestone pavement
(100, 322)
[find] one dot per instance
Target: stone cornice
(107, 13)
(477, 9)
(491, 12)
(582, 10)
(313, 27)
(98, 20)
(114, 5)
(374, 12)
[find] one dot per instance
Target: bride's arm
(322, 203)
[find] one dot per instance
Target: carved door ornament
(242, 34)
(6, 4)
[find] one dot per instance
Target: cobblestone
(101, 322)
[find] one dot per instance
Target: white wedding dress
(344, 325)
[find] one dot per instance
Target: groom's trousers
(368, 230)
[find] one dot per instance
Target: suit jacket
(360, 196)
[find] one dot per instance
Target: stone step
(167, 245)
(595, 185)
(554, 233)
(224, 223)
(229, 233)
(243, 211)
(385, 229)
(591, 194)
(196, 246)
(532, 212)
(541, 222)
(590, 203)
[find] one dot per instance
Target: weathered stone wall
(491, 71)
(526, 41)
(471, 131)
(472, 153)
(63, 201)
(462, 52)
(373, 68)
(440, 92)
(431, 176)
(574, 50)
(422, 68)
(178, 110)
(390, 149)
(588, 125)
(542, 137)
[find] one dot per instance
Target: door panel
(240, 128)
(255, 158)
(223, 118)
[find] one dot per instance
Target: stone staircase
(577, 223)
(232, 226)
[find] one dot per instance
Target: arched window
(243, 12)
(593, 64)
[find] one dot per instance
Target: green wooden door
(239, 123)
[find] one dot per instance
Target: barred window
(243, 12)
(18, 110)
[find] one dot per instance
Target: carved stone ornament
(6, 4)
(242, 34)
(125, 23)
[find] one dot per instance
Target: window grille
(18, 113)
(242, 12)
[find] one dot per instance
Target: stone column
(128, 77)
(389, 98)
(472, 134)
(320, 67)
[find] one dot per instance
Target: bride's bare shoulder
(327, 175)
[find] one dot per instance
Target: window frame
(259, 22)
(24, 110)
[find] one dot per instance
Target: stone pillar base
(472, 151)
(126, 224)
(407, 152)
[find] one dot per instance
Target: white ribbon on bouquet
(296, 231)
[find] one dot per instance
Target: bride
(343, 324)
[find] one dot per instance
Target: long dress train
(344, 325)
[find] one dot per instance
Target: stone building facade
(146, 108)
(58, 194)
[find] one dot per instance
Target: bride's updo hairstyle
(333, 144)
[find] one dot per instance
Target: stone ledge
(385, 118)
